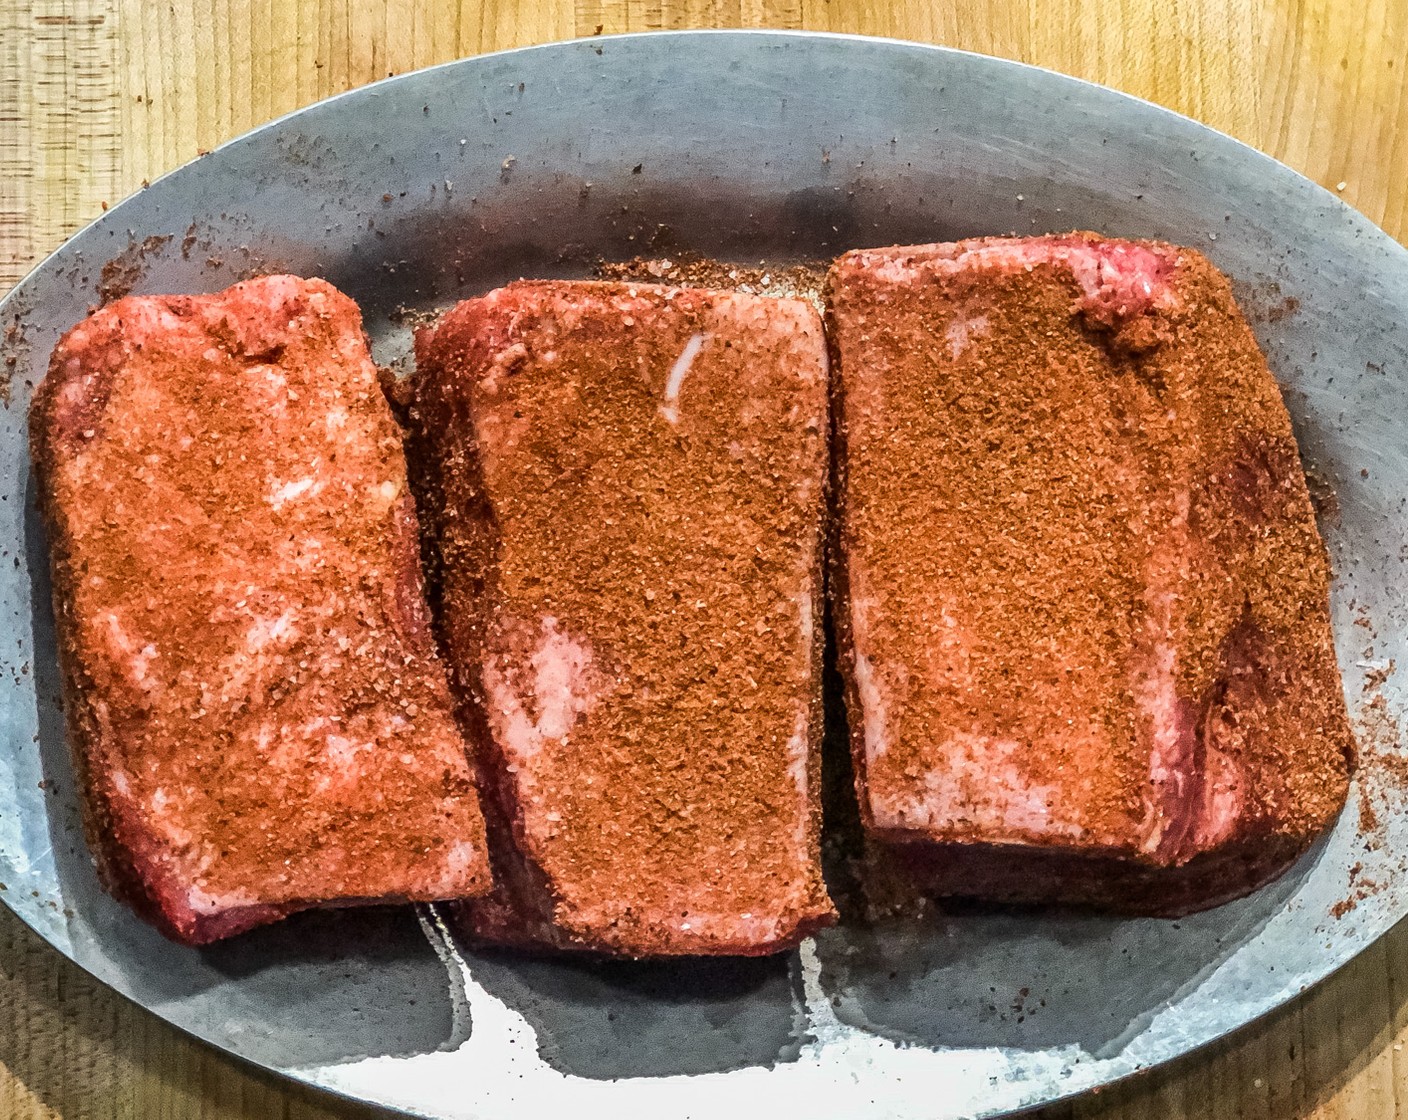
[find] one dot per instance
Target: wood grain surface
(98, 95)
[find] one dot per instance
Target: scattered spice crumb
(122, 273)
(802, 280)
(1375, 677)
(14, 347)
(1368, 818)
(1323, 497)
(413, 317)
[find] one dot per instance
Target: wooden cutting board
(97, 95)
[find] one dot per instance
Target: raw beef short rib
(1083, 605)
(258, 717)
(628, 493)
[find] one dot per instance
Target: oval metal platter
(743, 146)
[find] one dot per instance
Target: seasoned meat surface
(1083, 602)
(259, 719)
(628, 489)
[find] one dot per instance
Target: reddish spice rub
(1083, 606)
(628, 486)
(258, 717)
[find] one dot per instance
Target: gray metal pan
(747, 146)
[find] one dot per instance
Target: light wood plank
(17, 219)
(68, 95)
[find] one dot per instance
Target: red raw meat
(1083, 606)
(627, 489)
(258, 717)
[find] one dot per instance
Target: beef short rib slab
(628, 486)
(258, 717)
(1083, 605)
